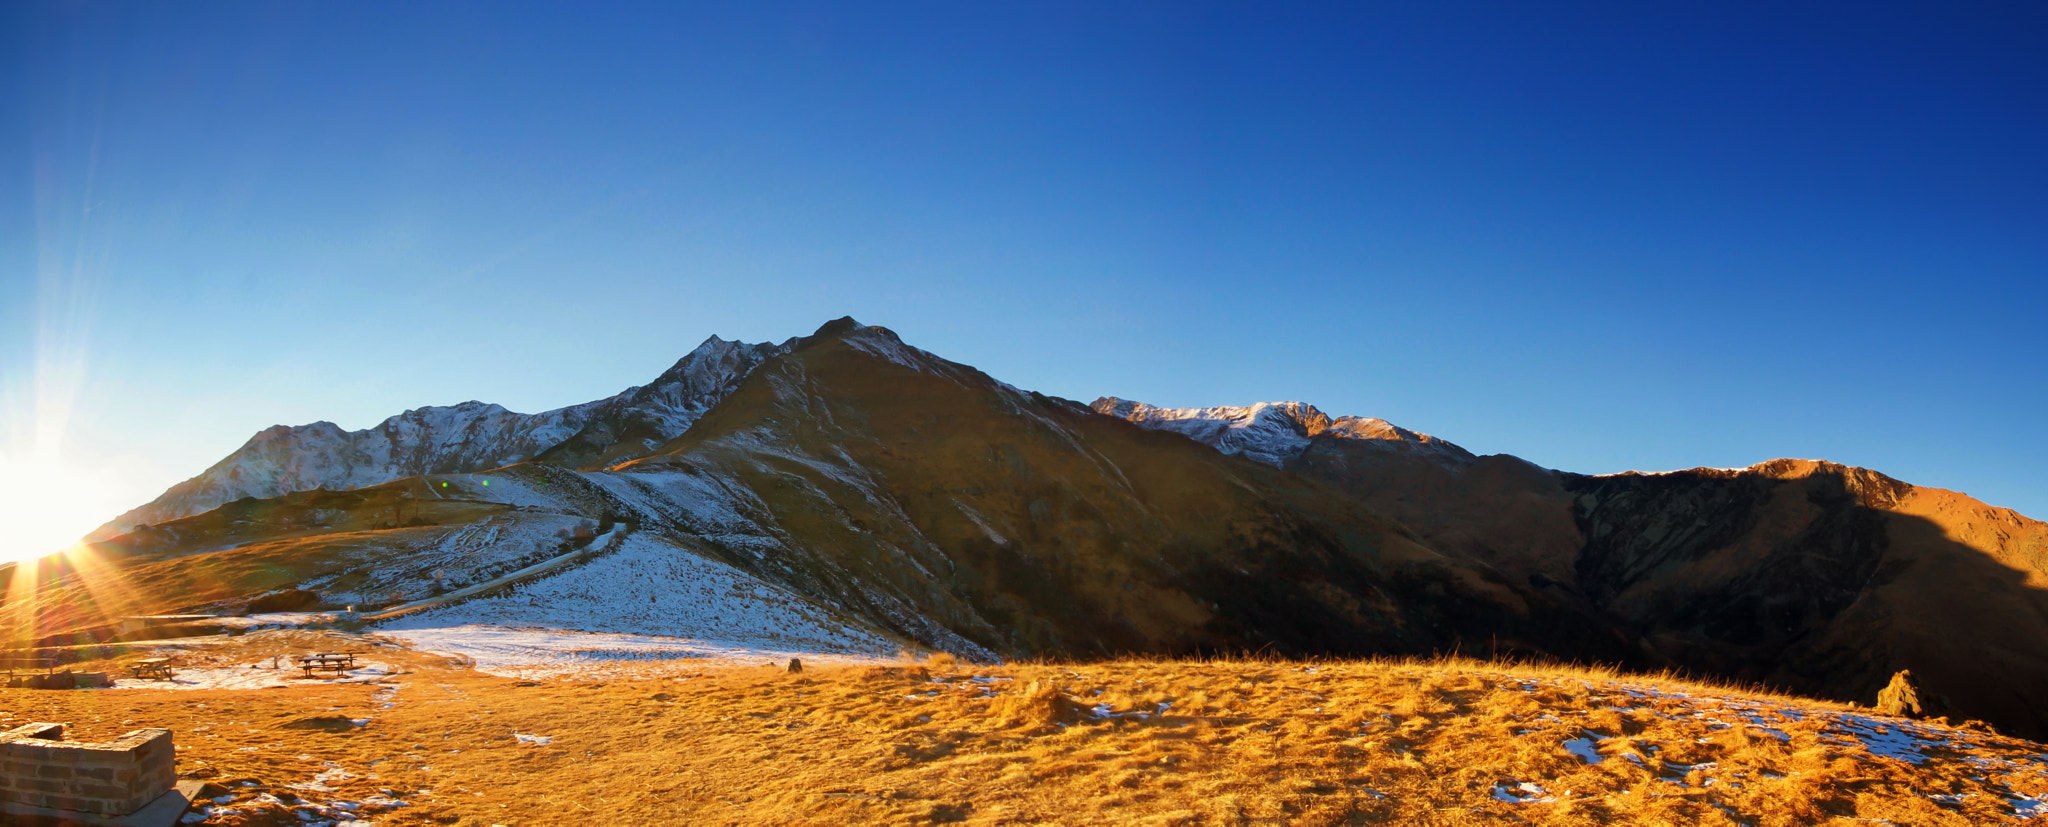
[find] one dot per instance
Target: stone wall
(40, 769)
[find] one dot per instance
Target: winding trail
(597, 545)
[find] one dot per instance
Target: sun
(47, 504)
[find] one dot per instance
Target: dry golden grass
(1219, 742)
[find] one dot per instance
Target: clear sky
(1601, 237)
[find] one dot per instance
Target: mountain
(1823, 579)
(1810, 576)
(883, 493)
(917, 491)
(894, 490)
(472, 436)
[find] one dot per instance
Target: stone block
(113, 778)
(39, 731)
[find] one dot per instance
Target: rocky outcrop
(1904, 698)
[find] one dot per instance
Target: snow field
(258, 675)
(533, 653)
(650, 587)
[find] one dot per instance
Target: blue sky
(1602, 237)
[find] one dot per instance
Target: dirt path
(597, 546)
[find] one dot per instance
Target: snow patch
(1524, 793)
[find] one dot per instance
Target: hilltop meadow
(425, 738)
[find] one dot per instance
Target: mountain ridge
(883, 484)
(465, 437)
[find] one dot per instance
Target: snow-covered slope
(1275, 432)
(654, 587)
(471, 436)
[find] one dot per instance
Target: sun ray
(20, 605)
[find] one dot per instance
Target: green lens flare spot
(487, 483)
(444, 485)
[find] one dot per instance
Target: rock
(1904, 698)
(796, 665)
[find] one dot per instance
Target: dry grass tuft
(1040, 704)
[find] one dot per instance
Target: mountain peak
(838, 327)
(834, 330)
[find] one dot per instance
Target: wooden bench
(154, 668)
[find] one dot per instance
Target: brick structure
(38, 768)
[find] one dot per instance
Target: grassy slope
(1242, 742)
(241, 549)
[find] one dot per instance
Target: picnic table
(339, 662)
(155, 668)
(47, 666)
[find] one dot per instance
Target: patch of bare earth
(434, 742)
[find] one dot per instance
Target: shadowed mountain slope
(1825, 579)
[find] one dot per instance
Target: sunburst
(46, 503)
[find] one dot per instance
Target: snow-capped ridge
(464, 437)
(1274, 432)
(1268, 432)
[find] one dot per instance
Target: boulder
(1905, 698)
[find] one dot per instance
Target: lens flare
(47, 504)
